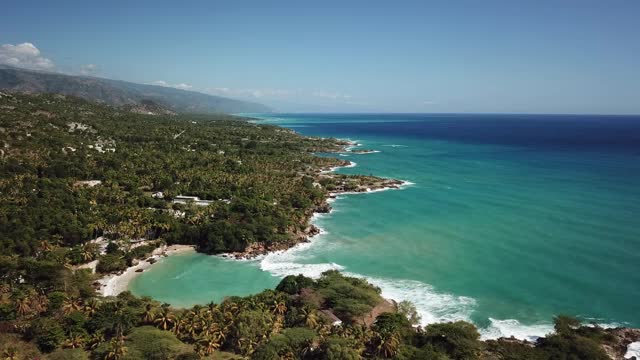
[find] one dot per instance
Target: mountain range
(121, 93)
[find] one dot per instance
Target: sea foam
(633, 350)
(432, 305)
(512, 327)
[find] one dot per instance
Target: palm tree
(164, 319)
(23, 306)
(71, 304)
(117, 350)
(178, 326)
(74, 342)
(279, 307)
(10, 353)
(245, 345)
(5, 288)
(148, 314)
(39, 303)
(208, 344)
(191, 327)
(278, 324)
(96, 340)
(90, 307)
(89, 251)
(325, 330)
(211, 329)
(387, 343)
(212, 307)
(45, 246)
(309, 316)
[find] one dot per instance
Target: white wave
(282, 269)
(369, 191)
(633, 350)
(432, 305)
(395, 145)
(530, 332)
(283, 263)
(368, 152)
(344, 155)
(512, 327)
(229, 257)
(332, 200)
(334, 168)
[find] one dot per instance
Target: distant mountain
(121, 93)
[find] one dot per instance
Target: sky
(489, 56)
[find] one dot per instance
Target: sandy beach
(114, 284)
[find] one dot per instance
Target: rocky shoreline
(343, 186)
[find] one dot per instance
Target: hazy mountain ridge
(121, 93)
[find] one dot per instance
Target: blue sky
(564, 56)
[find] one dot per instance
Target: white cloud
(181, 86)
(24, 55)
(429, 102)
(331, 95)
(88, 69)
(254, 93)
(160, 83)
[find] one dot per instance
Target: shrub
(408, 309)
(47, 333)
(459, 340)
(514, 350)
(74, 323)
(56, 299)
(68, 354)
(348, 297)
(112, 248)
(251, 326)
(565, 325)
(111, 263)
(336, 348)
(292, 284)
(296, 342)
(155, 344)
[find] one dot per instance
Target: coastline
(114, 284)
(256, 250)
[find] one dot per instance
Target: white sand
(114, 284)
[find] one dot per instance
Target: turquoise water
(508, 222)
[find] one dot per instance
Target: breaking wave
(511, 327)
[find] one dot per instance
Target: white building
(181, 199)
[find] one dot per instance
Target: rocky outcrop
(323, 208)
(622, 337)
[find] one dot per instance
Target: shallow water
(510, 220)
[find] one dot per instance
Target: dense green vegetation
(254, 175)
(70, 322)
(263, 184)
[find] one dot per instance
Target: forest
(72, 172)
(53, 146)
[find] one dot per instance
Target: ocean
(508, 221)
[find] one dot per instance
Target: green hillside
(119, 93)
